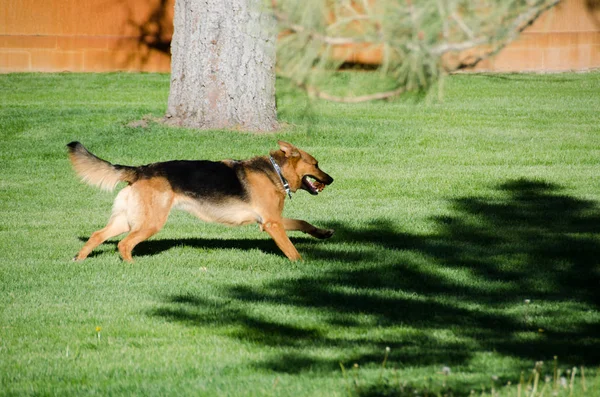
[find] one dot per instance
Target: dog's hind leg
(303, 226)
(134, 238)
(117, 224)
(149, 205)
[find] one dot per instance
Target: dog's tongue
(314, 186)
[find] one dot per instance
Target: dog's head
(301, 169)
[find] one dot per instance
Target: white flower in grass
(563, 382)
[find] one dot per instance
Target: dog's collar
(284, 182)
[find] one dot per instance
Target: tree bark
(223, 66)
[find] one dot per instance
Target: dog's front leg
(277, 231)
(303, 226)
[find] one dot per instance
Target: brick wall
(90, 35)
(565, 38)
(109, 35)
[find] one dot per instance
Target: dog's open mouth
(312, 184)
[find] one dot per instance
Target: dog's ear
(288, 149)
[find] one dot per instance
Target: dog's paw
(325, 233)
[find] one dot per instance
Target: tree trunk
(223, 66)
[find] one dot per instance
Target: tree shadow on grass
(535, 241)
(515, 273)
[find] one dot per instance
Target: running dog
(230, 192)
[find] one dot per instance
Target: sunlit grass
(466, 238)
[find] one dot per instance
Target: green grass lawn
(467, 237)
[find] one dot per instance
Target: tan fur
(97, 172)
(231, 212)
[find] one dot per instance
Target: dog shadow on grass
(156, 246)
(515, 273)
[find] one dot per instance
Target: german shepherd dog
(229, 192)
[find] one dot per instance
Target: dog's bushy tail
(97, 172)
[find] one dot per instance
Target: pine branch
(408, 42)
(283, 19)
(315, 92)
